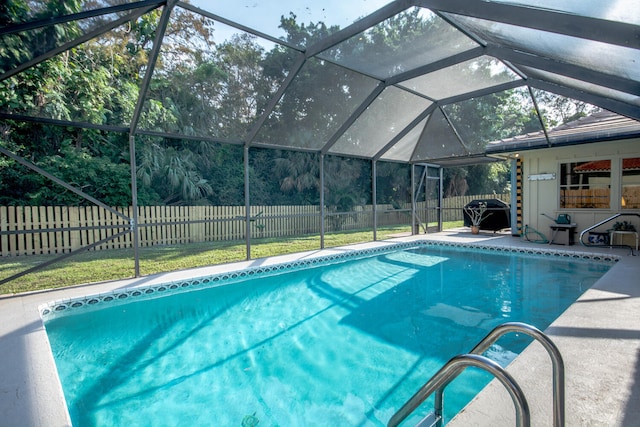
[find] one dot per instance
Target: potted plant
(623, 226)
(476, 215)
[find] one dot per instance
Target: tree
(97, 176)
(394, 183)
(479, 121)
(208, 91)
(299, 175)
(557, 110)
(16, 49)
(96, 83)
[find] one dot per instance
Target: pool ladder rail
(457, 364)
(610, 245)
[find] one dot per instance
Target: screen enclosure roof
(431, 81)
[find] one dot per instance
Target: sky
(264, 15)
(613, 10)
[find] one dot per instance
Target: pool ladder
(610, 245)
(456, 365)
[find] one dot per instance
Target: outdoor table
(615, 233)
(557, 230)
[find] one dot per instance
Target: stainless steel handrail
(455, 366)
(448, 373)
(586, 230)
(554, 353)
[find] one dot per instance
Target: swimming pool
(343, 340)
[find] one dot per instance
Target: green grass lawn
(105, 265)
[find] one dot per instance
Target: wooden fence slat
(37, 225)
(164, 233)
(22, 247)
(103, 221)
(57, 221)
(33, 238)
(176, 212)
(218, 216)
(65, 236)
(95, 218)
(11, 215)
(177, 232)
(112, 220)
(11, 238)
(43, 238)
(167, 213)
(51, 224)
(28, 225)
(141, 220)
(150, 232)
(193, 230)
(82, 234)
(115, 220)
(170, 212)
(126, 239)
(154, 233)
(185, 237)
(4, 226)
(94, 235)
(108, 232)
(216, 225)
(88, 214)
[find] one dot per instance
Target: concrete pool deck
(598, 336)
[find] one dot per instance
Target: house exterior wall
(543, 196)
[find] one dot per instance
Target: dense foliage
(210, 96)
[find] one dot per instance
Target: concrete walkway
(599, 338)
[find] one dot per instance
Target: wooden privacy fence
(37, 230)
(595, 198)
(452, 206)
(599, 198)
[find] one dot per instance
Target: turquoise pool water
(342, 344)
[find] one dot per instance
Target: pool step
(431, 420)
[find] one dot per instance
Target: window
(585, 185)
(630, 183)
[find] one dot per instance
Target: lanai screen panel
(439, 140)
(27, 45)
(404, 148)
(379, 123)
(318, 102)
(266, 15)
(581, 85)
(41, 9)
(592, 55)
(90, 84)
(492, 117)
(210, 82)
(408, 40)
(618, 10)
(467, 76)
